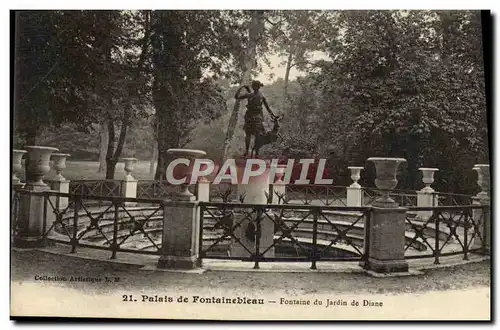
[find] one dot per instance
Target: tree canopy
(388, 83)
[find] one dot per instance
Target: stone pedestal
(180, 241)
(386, 241)
(129, 190)
(483, 216)
(129, 184)
(354, 196)
(427, 197)
(256, 191)
(203, 190)
(58, 202)
(385, 234)
(355, 191)
(62, 187)
(31, 221)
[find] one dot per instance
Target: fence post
(181, 230)
(30, 222)
(482, 217)
(387, 223)
(59, 183)
(426, 197)
(355, 191)
(203, 190)
(129, 184)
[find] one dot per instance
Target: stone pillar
(385, 235)
(427, 197)
(354, 191)
(30, 222)
(180, 240)
(483, 218)
(256, 191)
(181, 221)
(129, 184)
(203, 191)
(59, 182)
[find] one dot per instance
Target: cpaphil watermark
(238, 172)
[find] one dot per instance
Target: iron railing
(104, 188)
(122, 225)
(309, 230)
(300, 232)
(446, 230)
(401, 197)
(155, 189)
(327, 195)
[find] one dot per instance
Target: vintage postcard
(251, 164)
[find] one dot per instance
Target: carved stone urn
(386, 180)
(183, 170)
(37, 164)
(355, 175)
(483, 179)
(129, 167)
(59, 165)
(17, 166)
(428, 178)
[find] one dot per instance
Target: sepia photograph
(251, 165)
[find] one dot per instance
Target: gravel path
(26, 264)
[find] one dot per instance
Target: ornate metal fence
(326, 195)
(402, 197)
(451, 199)
(155, 189)
(121, 225)
(449, 230)
(105, 188)
(301, 232)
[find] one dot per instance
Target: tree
(80, 67)
(413, 81)
(247, 63)
(184, 45)
(296, 34)
(52, 66)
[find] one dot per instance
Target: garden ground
(461, 292)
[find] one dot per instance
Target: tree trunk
(112, 155)
(287, 75)
(154, 158)
(254, 33)
(110, 169)
(103, 142)
(110, 163)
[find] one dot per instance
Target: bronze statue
(254, 116)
